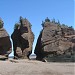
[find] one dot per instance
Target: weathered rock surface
(23, 39)
(55, 40)
(5, 43)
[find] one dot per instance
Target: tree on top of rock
(43, 23)
(1, 23)
(47, 20)
(16, 26)
(53, 20)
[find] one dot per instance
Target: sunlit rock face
(22, 38)
(56, 42)
(5, 43)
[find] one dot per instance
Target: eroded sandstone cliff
(56, 42)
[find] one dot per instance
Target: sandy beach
(33, 67)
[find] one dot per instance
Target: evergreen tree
(53, 20)
(42, 24)
(47, 20)
(1, 23)
(58, 22)
(16, 26)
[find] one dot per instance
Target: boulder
(22, 38)
(55, 40)
(5, 43)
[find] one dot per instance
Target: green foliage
(58, 22)
(47, 20)
(21, 18)
(30, 25)
(64, 25)
(16, 26)
(1, 25)
(71, 27)
(42, 24)
(53, 20)
(59, 25)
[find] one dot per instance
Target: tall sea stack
(5, 43)
(22, 38)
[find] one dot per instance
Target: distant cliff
(56, 42)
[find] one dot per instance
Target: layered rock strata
(55, 42)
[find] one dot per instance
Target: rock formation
(5, 43)
(22, 38)
(55, 42)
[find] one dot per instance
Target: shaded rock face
(5, 43)
(55, 41)
(22, 38)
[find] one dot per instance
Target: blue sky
(36, 11)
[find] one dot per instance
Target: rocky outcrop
(22, 38)
(55, 41)
(5, 43)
